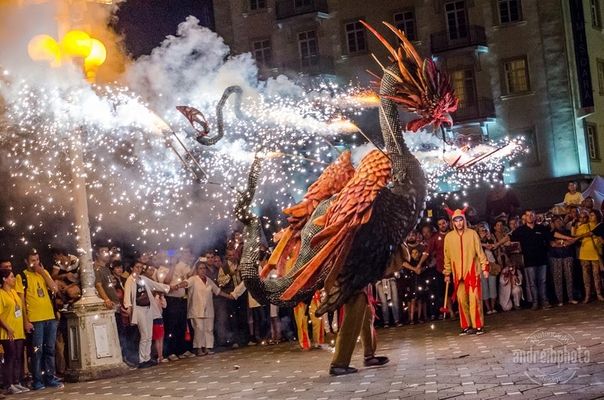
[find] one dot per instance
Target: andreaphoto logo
(551, 356)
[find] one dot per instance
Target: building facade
(520, 67)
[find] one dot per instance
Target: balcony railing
(288, 9)
(475, 37)
(318, 65)
(481, 110)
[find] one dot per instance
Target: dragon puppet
(346, 229)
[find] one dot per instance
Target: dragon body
(346, 239)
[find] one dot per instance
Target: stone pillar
(93, 347)
(92, 340)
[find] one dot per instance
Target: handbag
(142, 300)
(494, 268)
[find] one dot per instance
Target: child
(572, 197)
(510, 282)
(275, 325)
(417, 288)
(158, 327)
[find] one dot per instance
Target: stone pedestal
(94, 350)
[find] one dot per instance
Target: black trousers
(13, 362)
(175, 325)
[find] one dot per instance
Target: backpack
(53, 297)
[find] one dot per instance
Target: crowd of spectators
(536, 260)
(174, 305)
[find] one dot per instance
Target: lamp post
(93, 344)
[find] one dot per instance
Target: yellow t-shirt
(11, 313)
(37, 301)
(590, 246)
(573, 199)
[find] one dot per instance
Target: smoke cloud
(140, 191)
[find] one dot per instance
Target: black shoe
(145, 364)
(337, 371)
(375, 361)
(471, 331)
(479, 331)
(464, 332)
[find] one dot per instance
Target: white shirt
(150, 286)
(201, 303)
(160, 274)
(181, 271)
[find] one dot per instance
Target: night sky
(145, 23)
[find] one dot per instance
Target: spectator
(6, 264)
(388, 296)
(562, 260)
(571, 217)
(513, 223)
(151, 272)
(414, 241)
(588, 203)
(510, 287)
(12, 334)
(589, 252)
(104, 279)
(416, 289)
(35, 287)
(435, 250)
(158, 328)
(426, 231)
(534, 240)
(489, 284)
(256, 317)
(200, 308)
(126, 332)
(229, 277)
(275, 324)
(572, 197)
(138, 301)
(500, 231)
(175, 315)
(66, 266)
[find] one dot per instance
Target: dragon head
(421, 88)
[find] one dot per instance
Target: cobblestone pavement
(428, 361)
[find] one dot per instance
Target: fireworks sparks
(137, 185)
(133, 178)
(149, 183)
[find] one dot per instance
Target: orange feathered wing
(349, 211)
(331, 181)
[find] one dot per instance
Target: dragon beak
(447, 119)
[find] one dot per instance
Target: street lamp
(93, 343)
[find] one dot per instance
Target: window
(600, 68)
(457, 24)
(302, 3)
(309, 48)
(596, 14)
(465, 88)
(509, 11)
(516, 75)
(405, 21)
(531, 157)
(592, 141)
(262, 52)
(257, 4)
(355, 37)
